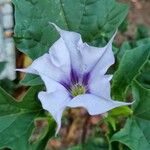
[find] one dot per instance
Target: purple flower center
(77, 84)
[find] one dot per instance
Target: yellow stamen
(78, 90)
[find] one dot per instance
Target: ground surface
(139, 13)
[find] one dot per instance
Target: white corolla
(74, 74)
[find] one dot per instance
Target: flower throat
(77, 89)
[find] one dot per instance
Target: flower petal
(44, 66)
(60, 56)
(54, 103)
(83, 56)
(105, 61)
(52, 85)
(94, 104)
(71, 39)
(90, 55)
(100, 86)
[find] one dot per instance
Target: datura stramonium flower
(74, 76)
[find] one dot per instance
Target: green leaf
(95, 143)
(17, 119)
(144, 76)
(124, 47)
(113, 115)
(129, 67)
(143, 42)
(142, 32)
(78, 147)
(94, 19)
(31, 80)
(136, 133)
(112, 121)
(121, 111)
(124, 26)
(8, 85)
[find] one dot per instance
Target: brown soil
(139, 13)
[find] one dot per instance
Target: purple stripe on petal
(86, 78)
(74, 77)
(87, 90)
(66, 85)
